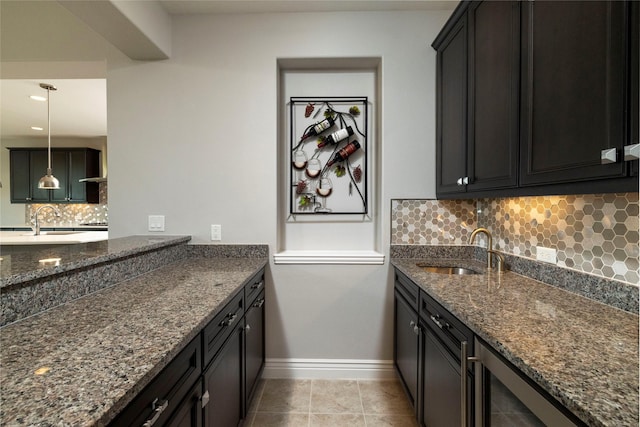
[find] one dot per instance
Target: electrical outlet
(216, 232)
(156, 222)
(546, 254)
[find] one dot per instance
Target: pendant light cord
(49, 130)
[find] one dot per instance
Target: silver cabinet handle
(463, 180)
(247, 329)
(205, 398)
(230, 320)
(257, 285)
(464, 359)
(609, 155)
(436, 320)
(259, 304)
(459, 181)
(415, 327)
(158, 408)
(631, 152)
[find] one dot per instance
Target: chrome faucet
(34, 218)
(490, 250)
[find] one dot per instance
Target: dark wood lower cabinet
(406, 347)
(188, 413)
(166, 393)
(254, 345)
(212, 380)
(223, 382)
(441, 386)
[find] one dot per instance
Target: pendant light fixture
(48, 182)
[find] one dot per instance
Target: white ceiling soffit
(78, 108)
(139, 29)
(193, 7)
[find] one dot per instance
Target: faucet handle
(501, 267)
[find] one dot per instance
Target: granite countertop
(25, 266)
(582, 352)
(82, 362)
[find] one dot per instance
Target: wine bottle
(318, 128)
(336, 137)
(341, 155)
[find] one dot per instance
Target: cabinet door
(254, 345)
(20, 176)
(451, 132)
(573, 89)
(406, 346)
(38, 169)
(634, 77)
(493, 97)
(223, 382)
(441, 392)
(60, 167)
(189, 413)
(78, 163)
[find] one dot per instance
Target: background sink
(54, 233)
(447, 269)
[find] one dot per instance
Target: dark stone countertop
(25, 266)
(584, 353)
(82, 362)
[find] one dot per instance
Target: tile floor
(330, 403)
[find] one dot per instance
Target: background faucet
(34, 218)
(490, 250)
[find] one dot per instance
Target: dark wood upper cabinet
(529, 94)
(573, 89)
(69, 165)
(633, 96)
(478, 84)
(451, 146)
(493, 91)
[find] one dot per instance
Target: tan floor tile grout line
(310, 397)
(361, 403)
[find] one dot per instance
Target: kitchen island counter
(582, 352)
(82, 362)
(26, 266)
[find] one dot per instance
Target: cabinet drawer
(445, 325)
(407, 289)
(253, 288)
(221, 326)
(165, 393)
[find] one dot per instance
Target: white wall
(195, 138)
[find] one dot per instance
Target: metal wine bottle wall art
(328, 155)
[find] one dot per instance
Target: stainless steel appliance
(505, 397)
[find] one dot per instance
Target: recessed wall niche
(329, 239)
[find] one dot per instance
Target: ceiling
(79, 107)
(191, 7)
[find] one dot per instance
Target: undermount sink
(447, 269)
(54, 233)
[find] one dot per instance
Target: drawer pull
(158, 408)
(436, 320)
(416, 328)
(259, 304)
(205, 398)
(230, 320)
(257, 285)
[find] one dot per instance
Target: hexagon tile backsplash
(595, 234)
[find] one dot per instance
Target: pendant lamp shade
(48, 182)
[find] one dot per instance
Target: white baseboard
(329, 369)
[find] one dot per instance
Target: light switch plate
(156, 222)
(546, 254)
(216, 232)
